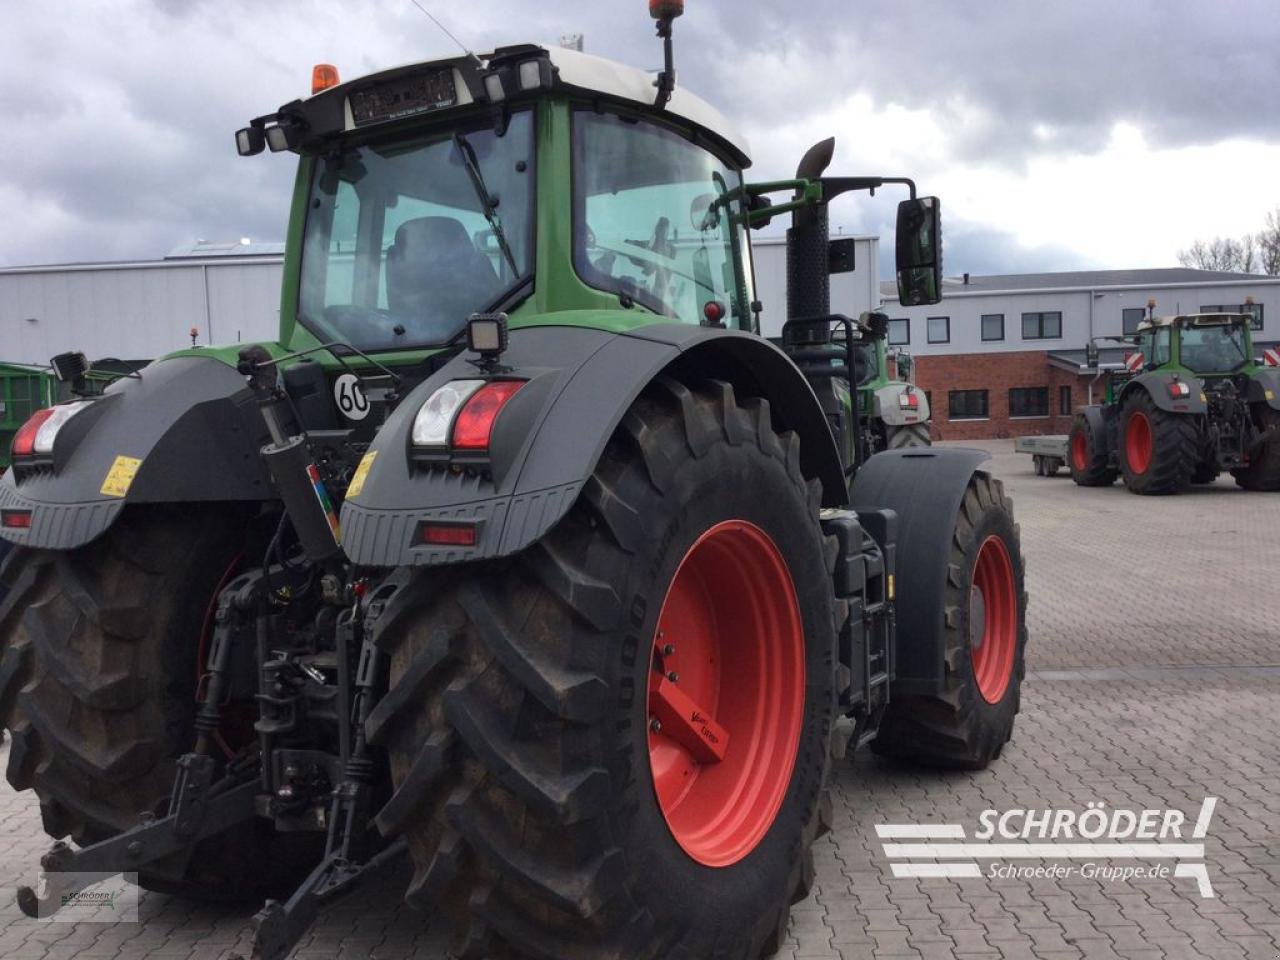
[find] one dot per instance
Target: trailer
(1049, 454)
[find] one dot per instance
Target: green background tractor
(1191, 402)
(520, 553)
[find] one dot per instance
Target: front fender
(925, 487)
(191, 424)
(1264, 387)
(549, 437)
(1156, 384)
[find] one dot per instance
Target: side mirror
(919, 252)
(1091, 355)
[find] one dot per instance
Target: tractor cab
(541, 184)
(1205, 344)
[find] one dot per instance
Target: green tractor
(892, 413)
(1190, 402)
(521, 554)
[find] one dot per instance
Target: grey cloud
(119, 115)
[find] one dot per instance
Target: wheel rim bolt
(669, 649)
(655, 725)
(673, 677)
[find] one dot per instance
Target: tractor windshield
(1219, 348)
(658, 221)
(405, 240)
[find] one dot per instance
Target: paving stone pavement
(1154, 681)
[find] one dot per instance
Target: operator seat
(436, 277)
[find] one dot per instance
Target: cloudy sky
(1058, 135)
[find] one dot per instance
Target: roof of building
(244, 247)
(1086, 280)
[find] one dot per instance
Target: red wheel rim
(726, 693)
(1137, 442)
(993, 619)
(1080, 451)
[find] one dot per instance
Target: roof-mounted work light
(250, 141)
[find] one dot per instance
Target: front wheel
(1087, 455)
(983, 616)
(616, 745)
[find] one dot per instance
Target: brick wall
(996, 373)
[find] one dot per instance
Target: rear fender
(549, 437)
(1156, 384)
(187, 430)
(924, 486)
(892, 413)
(1264, 387)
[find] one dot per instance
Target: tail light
(36, 436)
(1179, 390)
(461, 414)
(908, 401)
(475, 421)
(24, 441)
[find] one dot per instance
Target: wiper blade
(487, 203)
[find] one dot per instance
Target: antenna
(445, 31)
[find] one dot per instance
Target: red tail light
(24, 441)
(475, 420)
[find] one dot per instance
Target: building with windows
(1003, 356)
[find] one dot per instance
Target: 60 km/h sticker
(350, 397)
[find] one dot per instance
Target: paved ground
(1155, 682)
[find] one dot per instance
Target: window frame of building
(1065, 405)
(905, 325)
(964, 415)
(982, 323)
(1254, 309)
(1040, 316)
(928, 330)
(1125, 329)
(1021, 410)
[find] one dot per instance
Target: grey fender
(1100, 420)
(924, 486)
(549, 437)
(892, 413)
(1156, 384)
(190, 421)
(1264, 387)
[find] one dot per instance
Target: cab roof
(1195, 320)
(438, 85)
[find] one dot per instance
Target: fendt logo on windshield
(1082, 843)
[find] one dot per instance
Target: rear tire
(908, 435)
(98, 650)
(1263, 472)
(518, 725)
(1087, 456)
(1158, 449)
(967, 724)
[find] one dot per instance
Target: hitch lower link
(200, 807)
